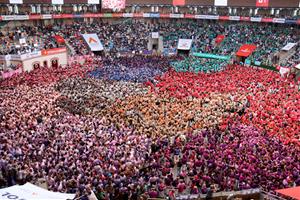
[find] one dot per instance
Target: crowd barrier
(148, 15)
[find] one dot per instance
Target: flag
(246, 50)
(59, 39)
(220, 38)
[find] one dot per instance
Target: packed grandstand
(150, 107)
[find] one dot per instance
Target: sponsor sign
(268, 20)
(176, 15)
(137, 14)
(154, 15)
(224, 18)
(215, 17)
(47, 16)
(279, 20)
(247, 19)
(255, 19)
(146, 15)
(107, 15)
(200, 17)
(165, 15)
(189, 16)
(8, 17)
(128, 15)
(118, 15)
(35, 16)
(234, 18)
(21, 17)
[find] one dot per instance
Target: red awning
(291, 192)
(246, 50)
(59, 39)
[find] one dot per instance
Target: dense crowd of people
(137, 69)
(146, 126)
(132, 36)
(178, 133)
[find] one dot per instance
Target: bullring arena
(158, 100)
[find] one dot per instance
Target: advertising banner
(184, 44)
(93, 41)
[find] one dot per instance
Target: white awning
(32, 192)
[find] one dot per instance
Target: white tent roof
(32, 192)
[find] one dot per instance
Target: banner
(113, 4)
(212, 56)
(176, 15)
(93, 41)
(279, 20)
(262, 3)
(184, 44)
(246, 50)
(288, 46)
(59, 39)
(21, 17)
(255, 19)
(33, 54)
(47, 52)
(283, 71)
(22, 41)
(47, 16)
(16, 1)
(8, 17)
(178, 2)
(155, 35)
(220, 38)
(32, 192)
(57, 2)
(234, 18)
(93, 1)
(220, 2)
